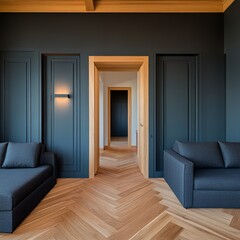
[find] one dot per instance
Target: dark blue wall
(130, 34)
(232, 50)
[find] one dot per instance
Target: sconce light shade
(62, 95)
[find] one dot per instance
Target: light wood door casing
(118, 63)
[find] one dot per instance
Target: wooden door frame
(118, 63)
(128, 89)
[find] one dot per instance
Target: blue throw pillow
(202, 154)
(231, 153)
(21, 155)
(3, 147)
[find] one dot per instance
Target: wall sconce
(62, 95)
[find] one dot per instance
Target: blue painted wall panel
(20, 97)
(129, 34)
(177, 103)
(15, 100)
(62, 121)
(232, 50)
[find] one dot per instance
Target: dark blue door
(119, 113)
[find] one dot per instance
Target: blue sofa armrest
(48, 158)
(178, 173)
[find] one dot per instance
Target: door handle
(141, 125)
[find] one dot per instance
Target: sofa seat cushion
(202, 154)
(217, 179)
(17, 184)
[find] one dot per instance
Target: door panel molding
(20, 96)
(177, 102)
(62, 118)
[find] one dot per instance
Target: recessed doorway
(119, 117)
(118, 63)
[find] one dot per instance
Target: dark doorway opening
(119, 113)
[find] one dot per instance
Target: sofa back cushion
(231, 154)
(202, 154)
(3, 147)
(21, 155)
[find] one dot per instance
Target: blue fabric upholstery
(231, 154)
(203, 154)
(48, 158)
(178, 172)
(22, 155)
(21, 189)
(216, 199)
(9, 220)
(3, 147)
(217, 179)
(17, 184)
(207, 183)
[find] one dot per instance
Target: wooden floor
(120, 204)
(119, 142)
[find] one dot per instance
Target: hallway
(119, 203)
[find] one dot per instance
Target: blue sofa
(204, 175)
(27, 174)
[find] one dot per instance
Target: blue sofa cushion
(202, 154)
(22, 155)
(16, 184)
(231, 154)
(217, 179)
(3, 147)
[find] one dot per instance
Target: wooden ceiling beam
(89, 4)
(39, 6)
(115, 6)
(159, 6)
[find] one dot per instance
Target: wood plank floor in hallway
(120, 204)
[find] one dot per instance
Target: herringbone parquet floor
(120, 204)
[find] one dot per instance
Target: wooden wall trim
(92, 72)
(117, 6)
(140, 63)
